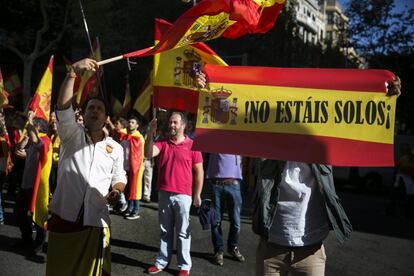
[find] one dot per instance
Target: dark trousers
(25, 222)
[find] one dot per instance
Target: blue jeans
(133, 206)
(174, 210)
(230, 195)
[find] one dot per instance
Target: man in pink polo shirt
(176, 165)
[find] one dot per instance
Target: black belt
(225, 181)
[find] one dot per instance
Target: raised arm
(66, 91)
(150, 150)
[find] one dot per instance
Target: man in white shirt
(90, 163)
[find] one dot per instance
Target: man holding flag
(90, 164)
(295, 208)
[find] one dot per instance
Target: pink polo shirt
(175, 166)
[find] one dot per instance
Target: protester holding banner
(177, 164)
(295, 207)
(90, 163)
(294, 210)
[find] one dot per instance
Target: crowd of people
(101, 164)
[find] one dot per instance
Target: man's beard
(173, 132)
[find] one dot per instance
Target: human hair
(40, 124)
(132, 117)
(98, 99)
(181, 114)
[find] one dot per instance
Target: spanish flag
(126, 106)
(40, 197)
(42, 98)
(340, 117)
(4, 95)
(136, 163)
(210, 19)
(86, 83)
(143, 102)
(175, 70)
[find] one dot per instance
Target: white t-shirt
(301, 217)
(85, 173)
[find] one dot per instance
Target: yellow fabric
(83, 253)
(4, 101)
(41, 211)
(55, 149)
(143, 102)
(44, 92)
(86, 75)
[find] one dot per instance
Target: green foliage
(377, 28)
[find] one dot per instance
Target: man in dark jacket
(295, 206)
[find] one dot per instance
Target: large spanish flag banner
(175, 70)
(340, 117)
(40, 197)
(210, 19)
(40, 103)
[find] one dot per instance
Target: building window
(330, 18)
(329, 36)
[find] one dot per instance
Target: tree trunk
(27, 80)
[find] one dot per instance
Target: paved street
(380, 245)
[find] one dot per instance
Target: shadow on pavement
(15, 246)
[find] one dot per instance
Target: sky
(400, 4)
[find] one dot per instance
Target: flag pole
(109, 60)
(98, 77)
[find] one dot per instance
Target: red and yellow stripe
(42, 98)
(210, 19)
(353, 128)
(136, 164)
(40, 198)
(173, 88)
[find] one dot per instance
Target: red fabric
(295, 147)
(175, 166)
(35, 106)
(331, 79)
(42, 161)
(136, 160)
(162, 26)
(175, 98)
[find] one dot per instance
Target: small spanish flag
(40, 103)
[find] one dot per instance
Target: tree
(376, 28)
(33, 29)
